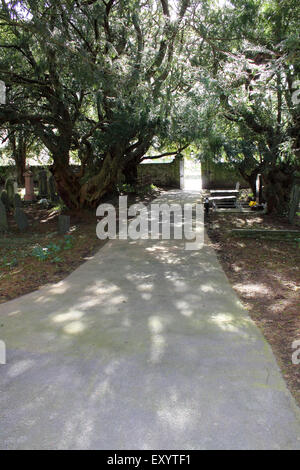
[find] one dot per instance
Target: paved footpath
(145, 346)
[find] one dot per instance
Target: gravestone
(9, 187)
(63, 224)
(44, 203)
(259, 189)
(3, 218)
(18, 201)
(52, 189)
(294, 202)
(4, 199)
(29, 188)
(15, 187)
(43, 187)
(21, 219)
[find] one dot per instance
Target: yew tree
(251, 52)
(91, 80)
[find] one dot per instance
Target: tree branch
(166, 154)
(165, 7)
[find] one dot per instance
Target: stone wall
(214, 175)
(161, 174)
(10, 171)
(220, 176)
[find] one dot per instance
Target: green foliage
(8, 262)
(126, 188)
(52, 250)
(104, 82)
(140, 190)
(13, 258)
(59, 207)
(146, 189)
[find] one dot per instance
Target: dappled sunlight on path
(144, 346)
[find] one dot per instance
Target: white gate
(192, 175)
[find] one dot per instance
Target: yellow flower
(252, 203)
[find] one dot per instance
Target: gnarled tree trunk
(96, 187)
(277, 189)
(67, 182)
(251, 178)
(130, 173)
(78, 192)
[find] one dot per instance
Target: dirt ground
(266, 276)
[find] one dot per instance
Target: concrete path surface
(145, 346)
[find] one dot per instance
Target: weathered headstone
(63, 224)
(43, 187)
(294, 202)
(9, 187)
(237, 186)
(4, 199)
(18, 201)
(21, 219)
(44, 203)
(15, 187)
(29, 188)
(52, 189)
(3, 218)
